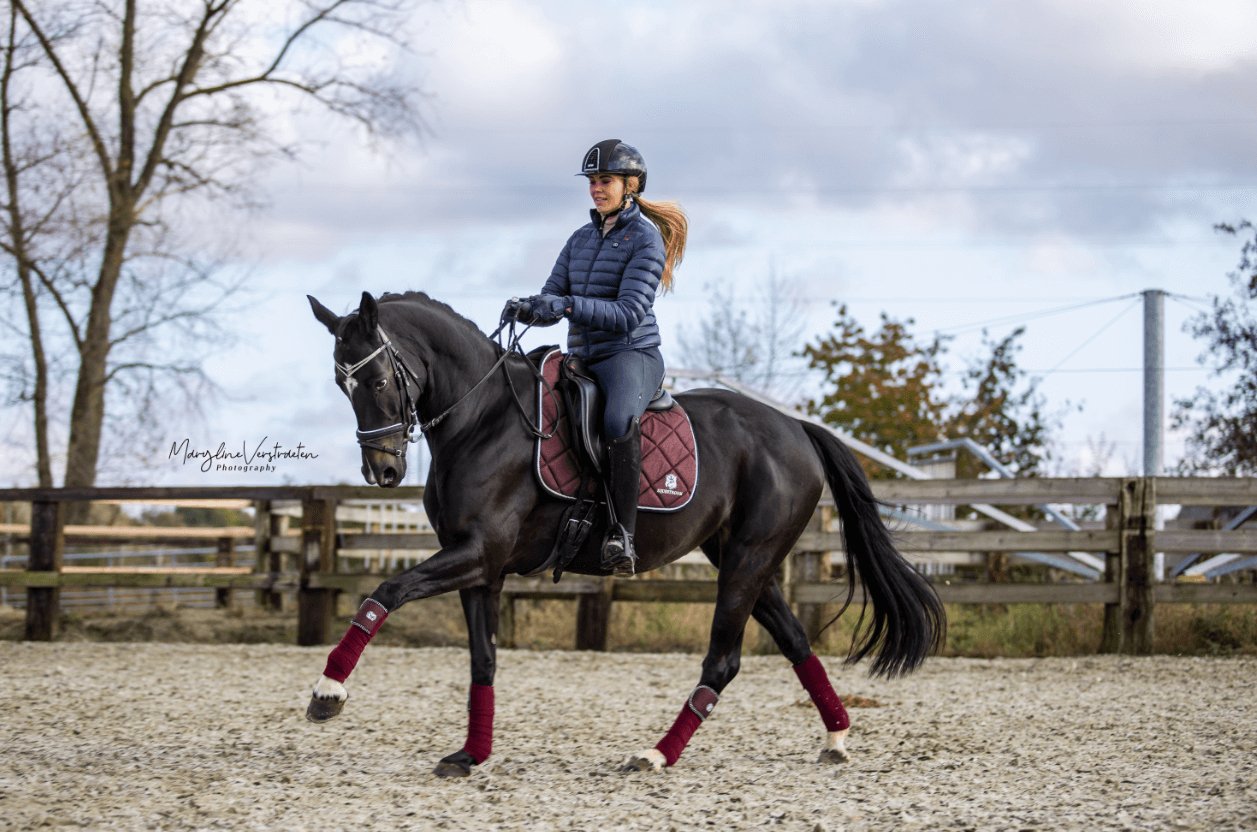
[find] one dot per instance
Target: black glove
(548, 309)
(538, 310)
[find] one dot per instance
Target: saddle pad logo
(670, 486)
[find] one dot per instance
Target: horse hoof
(649, 760)
(457, 764)
(834, 756)
(321, 710)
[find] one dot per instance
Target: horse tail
(908, 622)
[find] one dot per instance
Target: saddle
(584, 400)
(571, 455)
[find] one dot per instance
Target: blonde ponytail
(673, 225)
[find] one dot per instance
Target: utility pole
(1154, 400)
(1154, 381)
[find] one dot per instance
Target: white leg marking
(651, 759)
(835, 750)
(326, 688)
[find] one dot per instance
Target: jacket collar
(627, 214)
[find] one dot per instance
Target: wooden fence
(311, 563)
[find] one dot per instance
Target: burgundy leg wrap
(479, 723)
(816, 682)
(696, 710)
(344, 656)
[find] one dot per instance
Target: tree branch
(187, 73)
(89, 123)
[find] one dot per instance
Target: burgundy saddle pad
(669, 452)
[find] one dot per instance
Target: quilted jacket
(611, 281)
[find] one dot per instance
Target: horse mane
(428, 302)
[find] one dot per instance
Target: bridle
(411, 427)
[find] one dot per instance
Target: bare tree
(755, 341)
(122, 126)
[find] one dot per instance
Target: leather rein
(412, 428)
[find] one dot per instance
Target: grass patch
(975, 630)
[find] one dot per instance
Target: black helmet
(614, 156)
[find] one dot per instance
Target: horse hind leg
(774, 615)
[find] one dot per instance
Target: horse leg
(458, 567)
(774, 615)
(734, 600)
(480, 608)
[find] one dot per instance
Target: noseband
(411, 428)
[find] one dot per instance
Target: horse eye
(381, 384)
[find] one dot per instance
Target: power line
(940, 188)
(1092, 337)
(1028, 316)
(1189, 302)
(1085, 370)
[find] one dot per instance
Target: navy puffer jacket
(612, 282)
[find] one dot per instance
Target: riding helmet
(614, 156)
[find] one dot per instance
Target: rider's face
(606, 191)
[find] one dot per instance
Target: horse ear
(324, 315)
(368, 314)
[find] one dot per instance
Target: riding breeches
(628, 381)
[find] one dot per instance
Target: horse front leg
(480, 608)
(456, 567)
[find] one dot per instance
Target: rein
(412, 428)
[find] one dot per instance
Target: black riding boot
(624, 463)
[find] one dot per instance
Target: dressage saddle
(584, 400)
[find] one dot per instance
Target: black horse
(409, 359)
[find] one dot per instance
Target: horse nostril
(388, 477)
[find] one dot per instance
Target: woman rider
(604, 282)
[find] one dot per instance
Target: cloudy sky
(962, 164)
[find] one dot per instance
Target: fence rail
(311, 562)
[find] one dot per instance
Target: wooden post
(266, 527)
(1129, 627)
(225, 557)
(316, 607)
(807, 570)
(1111, 638)
(506, 621)
(47, 549)
(812, 567)
(593, 618)
(1137, 617)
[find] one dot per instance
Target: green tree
(1222, 424)
(1000, 413)
(884, 387)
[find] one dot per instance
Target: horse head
(380, 386)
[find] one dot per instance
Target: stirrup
(618, 556)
